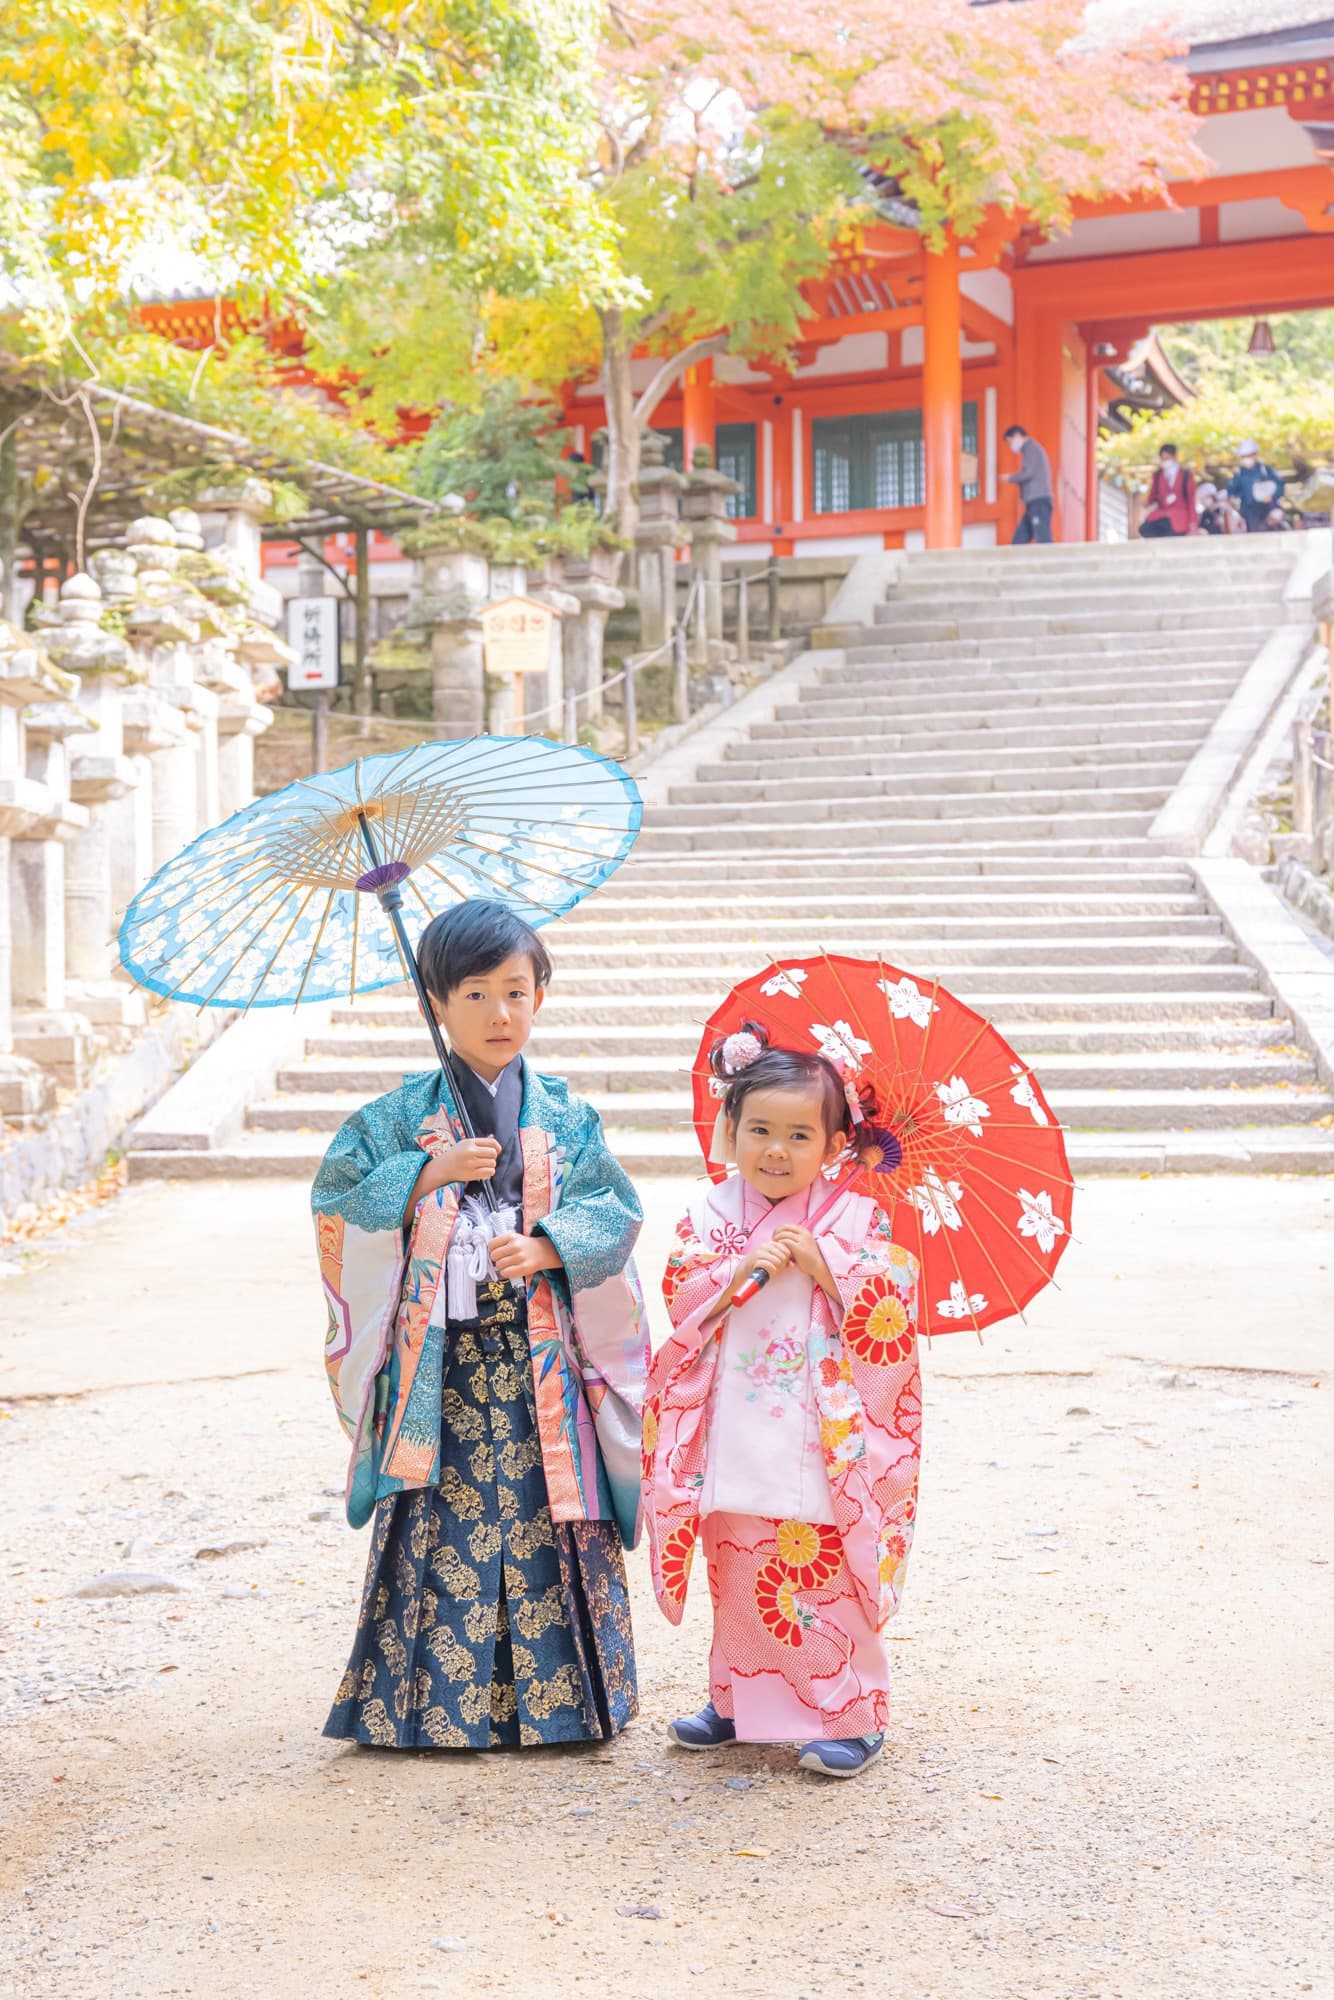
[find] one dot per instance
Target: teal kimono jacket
(587, 1330)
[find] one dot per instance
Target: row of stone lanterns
(127, 726)
(452, 587)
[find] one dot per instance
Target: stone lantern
(657, 538)
(707, 494)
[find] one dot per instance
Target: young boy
(489, 1366)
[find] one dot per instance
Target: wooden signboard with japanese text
(516, 636)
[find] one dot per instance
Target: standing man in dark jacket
(1034, 482)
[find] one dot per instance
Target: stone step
(1109, 653)
(879, 903)
(959, 750)
(1274, 1149)
(808, 908)
(887, 861)
(921, 723)
(709, 875)
(1106, 594)
(785, 927)
(998, 620)
(823, 710)
(599, 1076)
(556, 1042)
(884, 859)
(1069, 676)
(974, 776)
(986, 681)
(1258, 1149)
(1013, 945)
(1094, 1110)
(1000, 971)
(1049, 817)
(1013, 1010)
(1178, 558)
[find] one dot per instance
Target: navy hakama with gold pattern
(483, 1623)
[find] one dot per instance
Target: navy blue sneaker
(841, 1757)
(706, 1731)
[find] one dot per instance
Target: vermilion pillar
(698, 418)
(942, 400)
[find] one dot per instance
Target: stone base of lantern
(58, 1041)
(112, 1005)
(27, 1093)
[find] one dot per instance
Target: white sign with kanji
(312, 633)
(516, 635)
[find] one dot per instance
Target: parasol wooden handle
(389, 895)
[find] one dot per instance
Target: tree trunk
(11, 513)
(363, 690)
(621, 505)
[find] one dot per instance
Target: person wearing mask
(1257, 490)
(1171, 509)
(1034, 482)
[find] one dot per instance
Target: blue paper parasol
(301, 896)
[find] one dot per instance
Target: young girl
(488, 1365)
(783, 1429)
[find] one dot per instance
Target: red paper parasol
(959, 1147)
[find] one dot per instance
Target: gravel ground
(1104, 1775)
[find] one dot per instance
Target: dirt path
(1104, 1774)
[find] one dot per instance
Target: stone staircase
(967, 787)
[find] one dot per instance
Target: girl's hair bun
(736, 1052)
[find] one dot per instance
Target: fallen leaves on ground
(34, 1219)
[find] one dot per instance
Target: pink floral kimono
(786, 1437)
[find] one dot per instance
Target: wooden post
(699, 634)
(680, 676)
(631, 712)
(942, 400)
(319, 730)
(1322, 796)
(1303, 777)
(363, 680)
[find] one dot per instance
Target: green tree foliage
(1284, 401)
(501, 455)
(1212, 354)
(363, 165)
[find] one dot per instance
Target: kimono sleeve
(597, 1220)
(696, 1276)
(367, 1174)
(877, 1287)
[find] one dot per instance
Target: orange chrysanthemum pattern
(808, 1552)
(876, 1328)
(649, 1438)
(781, 1611)
(677, 1553)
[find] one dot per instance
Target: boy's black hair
(1167, 451)
(475, 937)
(782, 1069)
(1015, 431)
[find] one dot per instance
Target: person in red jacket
(1171, 509)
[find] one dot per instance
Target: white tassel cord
(468, 1264)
